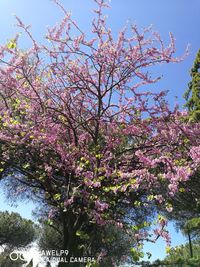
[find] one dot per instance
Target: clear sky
(181, 17)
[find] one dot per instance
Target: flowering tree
(76, 128)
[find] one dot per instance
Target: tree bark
(70, 241)
(190, 245)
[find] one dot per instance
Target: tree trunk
(190, 245)
(70, 241)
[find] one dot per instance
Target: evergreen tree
(192, 95)
(186, 203)
(191, 229)
(15, 231)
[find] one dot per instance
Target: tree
(50, 238)
(79, 133)
(186, 203)
(192, 95)
(5, 261)
(117, 241)
(191, 229)
(15, 232)
(180, 255)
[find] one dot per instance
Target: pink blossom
(69, 201)
(101, 206)
(76, 111)
(195, 154)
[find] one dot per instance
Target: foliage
(50, 238)
(186, 203)
(15, 232)
(192, 226)
(5, 261)
(108, 238)
(192, 95)
(113, 244)
(177, 256)
(181, 254)
(183, 251)
(74, 128)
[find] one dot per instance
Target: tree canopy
(186, 203)
(15, 231)
(77, 128)
(192, 95)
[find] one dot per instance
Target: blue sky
(181, 17)
(157, 250)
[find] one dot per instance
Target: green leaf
(57, 196)
(12, 44)
(82, 235)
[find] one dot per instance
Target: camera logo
(15, 256)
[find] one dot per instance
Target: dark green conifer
(192, 95)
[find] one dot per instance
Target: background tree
(106, 239)
(192, 230)
(5, 261)
(180, 255)
(192, 95)
(186, 203)
(74, 128)
(15, 233)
